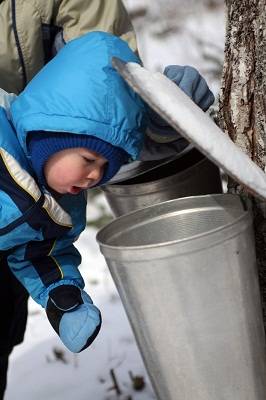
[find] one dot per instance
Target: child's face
(73, 170)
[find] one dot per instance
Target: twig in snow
(115, 382)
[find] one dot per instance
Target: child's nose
(95, 173)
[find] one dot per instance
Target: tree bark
(242, 108)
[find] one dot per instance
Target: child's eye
(88, 160)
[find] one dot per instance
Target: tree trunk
(242, 113)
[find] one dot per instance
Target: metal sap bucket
(189, 174)
(186, 272)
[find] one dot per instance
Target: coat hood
(80, 92)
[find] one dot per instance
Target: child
(31, 34)
(72, 128)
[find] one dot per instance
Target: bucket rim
(246, 214)
(123, 188)
(138, 167)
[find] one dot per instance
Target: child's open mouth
(75, 190)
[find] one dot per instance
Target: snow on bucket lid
(173, 105)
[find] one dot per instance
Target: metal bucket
(190, 174)
(186, 272)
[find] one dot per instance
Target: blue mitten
(193, 84)
(73, 316)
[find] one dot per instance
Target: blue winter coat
(77, 92)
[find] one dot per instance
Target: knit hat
(42, 145)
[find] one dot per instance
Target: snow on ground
(41, 368)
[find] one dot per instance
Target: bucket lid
(174, 106)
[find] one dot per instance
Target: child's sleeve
(43, 265)
(77, 17)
